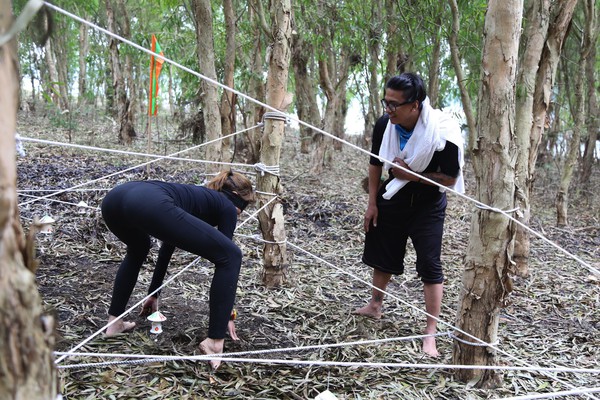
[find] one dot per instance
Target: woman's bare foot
(118, 327)
(212, 346)
(370, 310)
(429, 346)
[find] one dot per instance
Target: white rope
(552, 395)
(127, 169)
(133, 153)
(154, 358)
(490, 345)
(316, 129)
(225, 358)
(61, 202)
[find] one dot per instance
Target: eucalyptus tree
(27, 370)
(305, 80)
(332, 23)
(545, 33)
(250, 66)
(587, 40)
(461, 73)
(271, 217)
(592, 79)
(211, 114)
(486, 280)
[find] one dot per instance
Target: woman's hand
(150, 306)
(231, 330)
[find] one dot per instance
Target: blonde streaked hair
(234, 182)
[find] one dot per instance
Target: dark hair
(233, 182)
(411, 85)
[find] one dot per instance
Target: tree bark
(27, 369)
(126, 130)
(531, 124)
(562, 197)
(256, 88)
(84, 47)
(228, 98)
(433, 89)
(593, 119)
(306, 97)
(486, 281)
(534, 39)
(334, 65)
(375, 88)
(458, 71)
(271, 219)
(209, 94)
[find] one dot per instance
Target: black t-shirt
(444, 161)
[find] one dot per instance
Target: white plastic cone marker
(326, 395)
(156, 318)
(82, 207)
(45, 224)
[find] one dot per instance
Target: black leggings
(137, 210)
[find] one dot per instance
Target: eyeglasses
(392, 106)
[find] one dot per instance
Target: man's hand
(149, 306)
(370, 217)
(402, 174)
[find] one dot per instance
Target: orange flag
(155, 67)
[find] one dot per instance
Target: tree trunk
(534, 39)
(593, 120)
(433, 89)
(256, 89)
(486, 282)
(51, 87)
(271, 219)
(562, 197)
(458, 71)
(209, 94)
(128, 75)
(84, 47)
(375, 88)
(126, 130)
(306, 97)
(531, 124)
(333, 75)
(228, 98)
(27, 370)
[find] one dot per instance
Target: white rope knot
(269, 169)
(276, 116)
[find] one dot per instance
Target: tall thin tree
(486, 281)
(27, 369)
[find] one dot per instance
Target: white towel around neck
(430, 134)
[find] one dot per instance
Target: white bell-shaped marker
(156, 318)
(45, 224)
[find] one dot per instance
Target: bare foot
(118, 327)
(429, 346)
(212, 346)
(370, 311)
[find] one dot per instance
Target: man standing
(429, 143)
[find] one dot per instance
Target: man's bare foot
(370, 311)
(212, 346)
(429, 346)
(118, 327)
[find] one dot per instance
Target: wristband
(233, 315)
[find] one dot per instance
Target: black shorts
(422, 222)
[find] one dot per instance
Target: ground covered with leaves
(553, 318)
